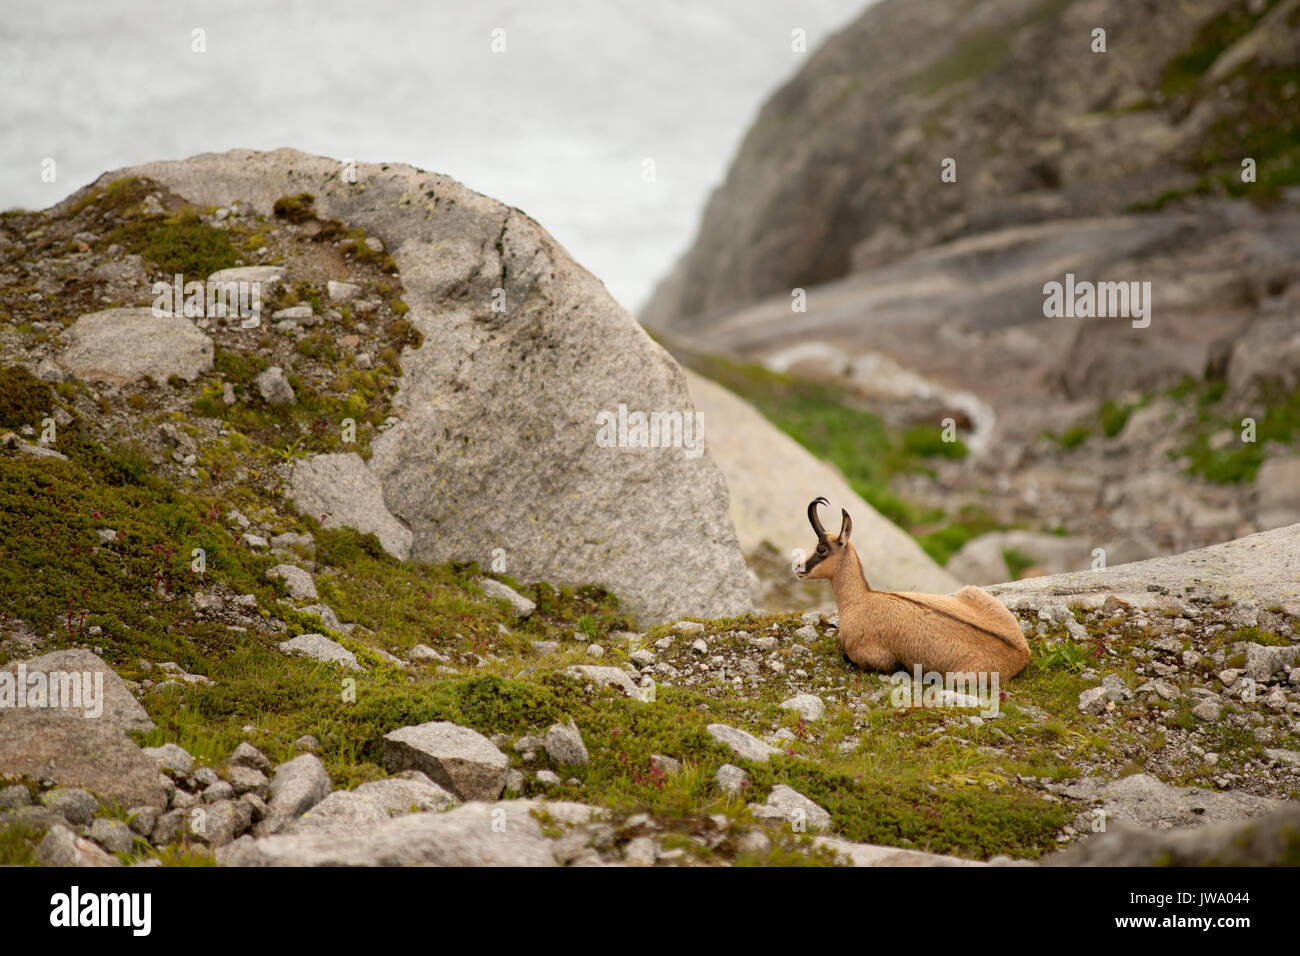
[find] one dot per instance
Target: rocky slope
(840, 172)
(302, 686)
(1091, 440)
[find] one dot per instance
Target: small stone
(564, 745)
(1093, 701)
(142, 820)
(498, 591)
(113, 835)
(171, 758)
(74, 805)
(1208, 709)
(731, 780)
(809, 706)
(548, 778)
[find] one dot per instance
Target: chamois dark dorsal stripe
(952, 617)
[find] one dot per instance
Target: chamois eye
(821, 549)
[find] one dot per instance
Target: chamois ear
(846, 527)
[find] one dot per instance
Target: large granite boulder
(497, 444)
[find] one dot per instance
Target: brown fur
(884, 630)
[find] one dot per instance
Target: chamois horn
(814, 520)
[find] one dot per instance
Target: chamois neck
(848, 579)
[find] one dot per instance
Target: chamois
(884, 630)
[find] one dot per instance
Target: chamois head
(826, 557)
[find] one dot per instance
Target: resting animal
(886, 630)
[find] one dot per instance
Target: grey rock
(274, 387)
(73, 804)
(790, 806)
(113, 835)
(125, 345)
(373, 803)
(548, 778)
(667, 765)
(1142, 800)
(204, 777)
(218, 792)
(62, 847)
(220, 823)
(1256, 569)
(457, 758)
(142, 820)
(1265, 840)
(745, 745)
(1093, 701)
(343, 489)
(809, 706)
(169, 828)
(120, 709)
(572, 511)
(342, 291)
(14, 796)
(247, 780)
(246, 755)
(1264, 661)
(498, 591)
(614, 677)
(298, 785)
(474, 834)
(1207, 710)
(564, 745)
(299, 583)
(320, 648)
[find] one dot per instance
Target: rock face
(771, 478)
(455, 757)
(124, 345)
(345, 491)
(118, 708)
(841, 169)
(497, 443)
(1142, 800)
(1268, 840)
(76, 746)
(1260, 568)
(470, 835)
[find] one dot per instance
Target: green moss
(24, 398)
(181, 244)
(296, 208)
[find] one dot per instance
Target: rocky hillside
(840, 172)
(198, 525)
(1080, 442)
